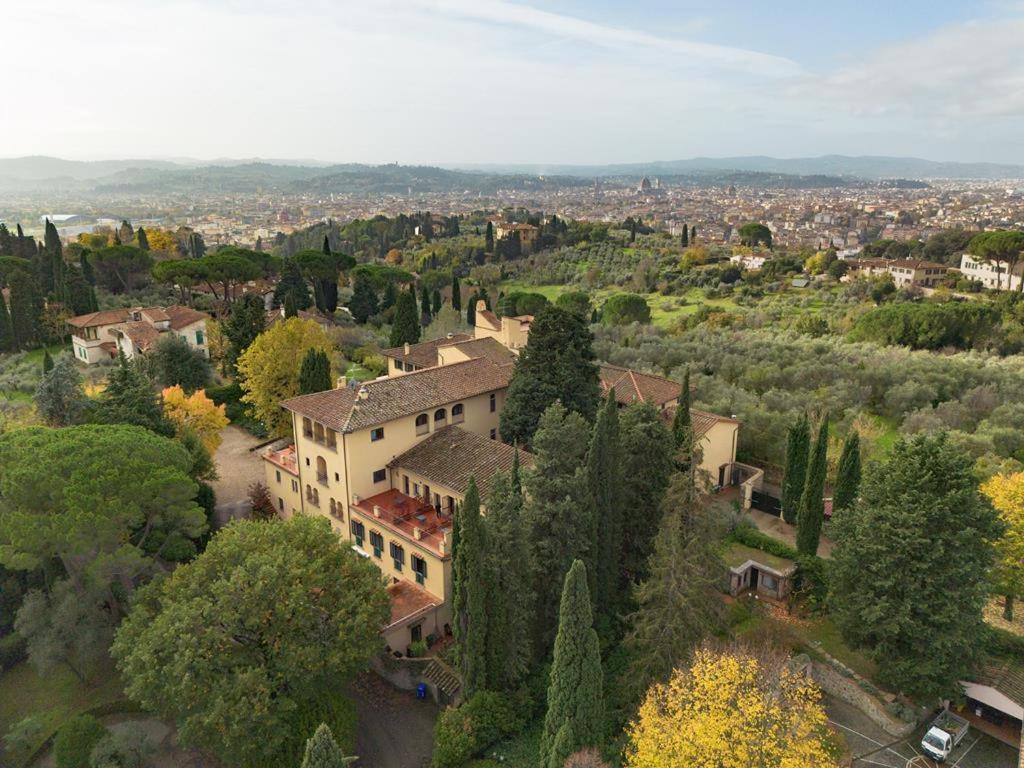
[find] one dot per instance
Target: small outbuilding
(761, 573)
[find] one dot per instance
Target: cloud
(561, 25)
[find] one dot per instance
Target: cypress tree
(326, 247)
(405, 328)
(6, 331)
(143, 240)
(798, 446)
(389, 297)
(290, 310)
(812, 505)
(471, 310)
(315, 373)
(60, 398)
(682, 422)
(604, 478)
(425, 305)
(647, 464)
(686, 237)
(509, 603)
(678, 602)
(848, 473)
(292, 283)
(6, 241)
(456, 294)
(322, 751)
(26, 309)
(435, 302)
(364, 304)
(87, 271)
(576, 686)
(126, 233)
(470, 594)
(47, 361)
(693, 234)
(489, 238)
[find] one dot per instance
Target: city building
(99, 336)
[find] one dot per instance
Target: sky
(510, 81)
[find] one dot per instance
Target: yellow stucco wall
(287, 499)
(719, 447)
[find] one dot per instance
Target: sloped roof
(452, 455)
(489, 317)
(632, 386)
(1005, 674)
(424, 354)
(342, 409)
(141, 333)
(103, 317)
(181, 316)
(487, 347)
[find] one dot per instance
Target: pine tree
(129, 398)
(489, 238)
(315, 373)
(509, 604)
(682, 422)
(575, 699)
(47, 361)
(604, 478)
(686, 236)
(60, 397)
(405, 328)
(556, 364)
(292, 283)
(812, 504)
(647, 464)
(798, 447)
(678, 602)
(456, 294)
(848, 473)
(141, 239)
(6, 331)
(322, 751)
(26, 309)
(425, 305)
(556, 512)
(470, 594)
(363, 304)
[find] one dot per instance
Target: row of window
(396, 551)
(440, 419)
(316, 431)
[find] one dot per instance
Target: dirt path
(238, 467)
(779, 529)
(396, 730)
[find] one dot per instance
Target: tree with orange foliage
(195, 413)
(732, 708)
(394, 256)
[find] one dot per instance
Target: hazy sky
(571, 81)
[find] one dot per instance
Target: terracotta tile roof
(386, 399)
(155, 314)
(632, 386)
(181, 316)
(103, 317)
(141, 333)
(424, 354)
(487, 347)
(283, 456)
(702, 420)
(452, 455)
(1006, 675)
(408, 601)
(489, 317)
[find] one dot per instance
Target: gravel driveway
(238, 467)
(396, 730)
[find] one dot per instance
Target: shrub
(12, 650)
(625, 308)
(128, 747)
(418, 649)
(23, 737)
(75, 741)
(752, 537)
(468, 730)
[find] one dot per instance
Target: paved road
(396, 730)
(874, 748)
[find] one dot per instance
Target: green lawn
(359, 373)
(53, 698)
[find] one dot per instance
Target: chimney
(342, 382)
(356, 498)
(363, 393)
(481, 305)
(407, 348)
(450, 335)
(417, 533)
(376, 511)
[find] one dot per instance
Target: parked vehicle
(944, 735)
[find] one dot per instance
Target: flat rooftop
(284, 458)
(736, 555)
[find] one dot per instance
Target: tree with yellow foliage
(162, 240)
(195, 413)
(733, 708)
(269, 369)
(1006, 492)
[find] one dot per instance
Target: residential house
(750, 261)
(100, 335)
(528, 234)
(992, 274)
(905, 272)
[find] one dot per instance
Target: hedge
(75, 740)
(466, 731)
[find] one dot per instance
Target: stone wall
(847, 687)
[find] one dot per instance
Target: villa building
(388, 461)
(100, 335)
(904, 272)
(992, 274)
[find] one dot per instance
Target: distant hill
(863, 166)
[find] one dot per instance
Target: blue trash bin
(421, 691)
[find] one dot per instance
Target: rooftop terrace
(411, 518)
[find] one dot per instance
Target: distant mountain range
(49, 174)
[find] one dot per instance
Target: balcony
(413, 519)
(322, 478)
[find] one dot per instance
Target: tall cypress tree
(425, 305)
(470, 594)
(682, 422)
(363, 304)
(435, 302)
(142, 240)
(456, 294)
(290, 310)
(556, 513)
(576, 686)
(315, 373)
(86, 265)
(6, 331)
(812, 505)
(489, 238)
(798, 446)
(47, 361)
(604, 478)
(686, 236)
(26, 309)
(292, 283)
(322, 751)
(848, 473)
(405, 328)
(693, 234)
(389, 296)
(51, 261)
(471, 310)
(509, 602)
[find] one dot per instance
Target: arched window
(422, 424)
(458, 413)
(316, 497)
(321, 470)
(309, 492)
(440, 416)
